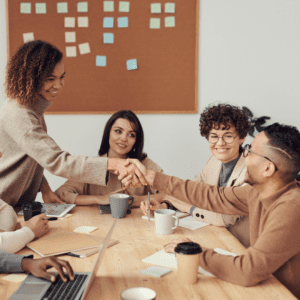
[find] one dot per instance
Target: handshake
(131, 172)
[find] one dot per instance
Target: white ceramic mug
(138, 293)
(165, 221)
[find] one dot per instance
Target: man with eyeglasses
(272, 201)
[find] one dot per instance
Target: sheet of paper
(70, 52)
(190, 223)
(108, 22)
(108, 38)
(101, 61)
(85, 229)
(69, 22)
(82, 7)
(83, 21)
(123, 22)
(27, 37)
(108, 6)
(70, 37)
(40, 8)
(155, 8)
(169, 21)
(154, 23)
(15, 277)
(123, 6)
(84, 48)
(25, 8)
(161, 258)
(62, 7)
(156, 271)
(169, 8)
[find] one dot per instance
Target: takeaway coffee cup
(119, 205)
(165, 221)
(138, 293)
(188, 257)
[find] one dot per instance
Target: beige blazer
(237, 225)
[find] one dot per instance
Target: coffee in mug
(119, 205)
(188, 257)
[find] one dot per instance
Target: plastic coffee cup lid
(188, 248)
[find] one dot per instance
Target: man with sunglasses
(271, 200)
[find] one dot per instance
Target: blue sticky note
(108, 22)
(131, 64)
(123, 22)
(108, 38)
(156, 271)
(100, 61)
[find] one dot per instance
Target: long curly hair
(227, 115)
(137, 149)
(28, 68)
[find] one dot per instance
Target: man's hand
(51, 197)
(38, 226)
(172, 245)
(127, 180)
(125, 169)
(154, 205)
(38, 267)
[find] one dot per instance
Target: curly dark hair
(287, 138)
(227, 115)
(137, 149)
(28, 68)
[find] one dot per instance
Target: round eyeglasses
(227, 138)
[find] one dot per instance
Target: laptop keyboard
(65, 290)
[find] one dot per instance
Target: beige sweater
(274, 230)
(71, 189)
(12, 241)
(27, 150)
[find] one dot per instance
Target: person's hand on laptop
(39, 267)
(38, 226)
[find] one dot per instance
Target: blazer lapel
(240, 165)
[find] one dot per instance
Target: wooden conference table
(122, 264)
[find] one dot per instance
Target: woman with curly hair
(123, 137)
(225, 127)
(35, 75)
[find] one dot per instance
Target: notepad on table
(190, 223)
(179, 215)
(64, 242)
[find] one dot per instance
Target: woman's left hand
(51, 197)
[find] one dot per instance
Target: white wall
(249, 56)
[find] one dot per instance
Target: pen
(50, 219)
(149, 206)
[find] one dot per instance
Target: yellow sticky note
(84, 48)
(70, 52)
(108, 6)
(83, 22)
(155, 8)
(169, 21)
(70, 22)
(70, 37)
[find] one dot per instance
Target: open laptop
(34, 288)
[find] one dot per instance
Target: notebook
(63, 242)
(38, 288)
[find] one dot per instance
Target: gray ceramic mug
(119, 205)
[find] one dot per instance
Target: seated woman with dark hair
(225, 127)
(123, 138)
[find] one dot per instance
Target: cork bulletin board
(137, 55)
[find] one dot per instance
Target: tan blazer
(237, 225)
